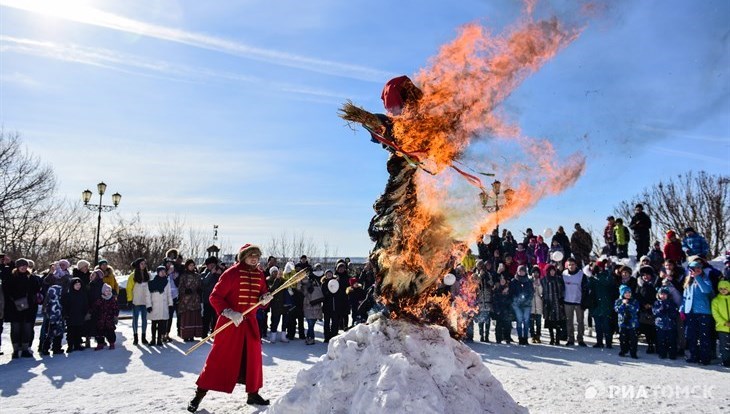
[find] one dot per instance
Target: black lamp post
(496, 190)
(86, 197)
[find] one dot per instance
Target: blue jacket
(697, 296)
(665, 314)
(695, 244)
(628, 313)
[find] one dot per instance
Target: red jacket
(673, 250)
(238, 288)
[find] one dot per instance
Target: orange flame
(461, 87)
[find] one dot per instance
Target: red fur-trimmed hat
(246, 250)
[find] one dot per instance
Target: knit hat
(75, 280)
(246, 250)
(102, 261)
(82, 263)
(273, 269)
(664, 289)
(522, 268)
(64, 262)
(288, 267)
(623, 289)
(689, 229)
(106, 291)
(21, 262)
(211, 260)
(695, 264)
(610, 218)
(137, 261)
(624, 269)
(161, 268)
(646, 270)
(645, 257)
(671, 233)
(724, 284)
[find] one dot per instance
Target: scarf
(157, 284)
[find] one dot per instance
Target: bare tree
(699, 200)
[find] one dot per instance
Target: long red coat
(238, 288)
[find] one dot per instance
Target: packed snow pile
(396, 366)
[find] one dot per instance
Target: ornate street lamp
(86, 197)
(497, 196)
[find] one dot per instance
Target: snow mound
(394, 366)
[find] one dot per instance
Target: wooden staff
(292, 280)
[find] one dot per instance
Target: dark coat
(553, 296)
(105, 313)
(665, 314)
(75, 306)
(641, 226)
(564, 242)
(522, 290)
(209, 279)
(18, 286)
(603, 293)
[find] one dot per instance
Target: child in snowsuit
(721, 314)
(665, 319)
(75, 310)
(53, 318)
(106, 311)
(621, 233)
(627, 310)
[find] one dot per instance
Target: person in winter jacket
(646, 295)
(641, 226)
(139, 294)
(603, 292)
(721, 314)
(189, 302)
(502, 302)
(343, 305)
(75, 306)
(521, 290)
(484, 300)
(622, 239)
(697, 314)
(53, 317)
(161, 299)
(355, 296)
(330, 285)
(656, 256)
(576, 296)
(536, 316)
(626, 278)
(295, 312)
(627, 309)
(694, 244)
(553, 303)
(311, 287)
(609, 236)
(673, 248)
(562, 240)
(542, 254)
(208, 280)
(279, 306)
(106, 314)
(665, 313)
(581, 244)
(21, 289)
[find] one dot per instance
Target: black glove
(149, 309)
(188, 291)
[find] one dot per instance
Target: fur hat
(31, 264)
(82, 263)
(624, 269)
(21, 262)
(172, 253)
(64, 261)
(248, 249)
(646, 270)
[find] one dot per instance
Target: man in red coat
(236, 353)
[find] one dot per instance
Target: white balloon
(548, 232)
(449, 279)
(333, 285)
(557, 256)
(318, 273)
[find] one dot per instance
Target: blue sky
(225, 112)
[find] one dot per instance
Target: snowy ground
(545, 379)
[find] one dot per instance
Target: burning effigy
(407, 358)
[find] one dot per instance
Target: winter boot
(255, 399)
(282, 338)
(195, 402)
(99, 346)
(25, 351)
(144, 338)
(16, 351)
(88, 342)
(272, 337)
(111, 346)
(159, 338)
(135, 342)
(650, 349)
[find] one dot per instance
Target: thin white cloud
(142, 66)
(683, 134)
(692, 155)
(91, 16)
(21, 79)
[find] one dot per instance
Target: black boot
(195, 402)
(136, 340)
(255, 399)
(144, 338)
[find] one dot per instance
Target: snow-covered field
(542, 378)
